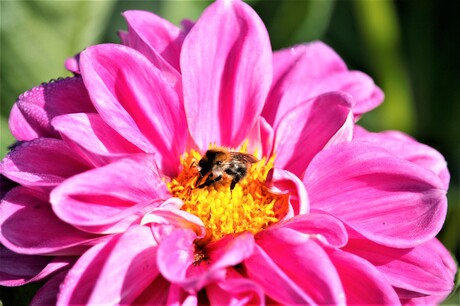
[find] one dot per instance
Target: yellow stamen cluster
(250, 206)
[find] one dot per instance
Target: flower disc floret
(250, 206)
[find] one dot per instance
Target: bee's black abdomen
(237, 169)
(235, 180)
(237, 172)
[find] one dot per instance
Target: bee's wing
(243, 157)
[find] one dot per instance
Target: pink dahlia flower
(107, 207)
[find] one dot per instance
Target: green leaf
(294, 22)
(176, 11)
(380, 29)
(6, 139)
(18, 296)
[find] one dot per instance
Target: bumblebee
(220, 163)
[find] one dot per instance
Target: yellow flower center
(250, 206)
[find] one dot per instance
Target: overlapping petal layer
(126, 262)
(29, 226)
(92, 138)
(319, 225)
(305, 71)
(110, 198)
(180, 261)
(35, 108)
(362, 282)
(42, 163)
(280, 264)
(403, 146)
(133, 98)
(387, 199)
(19, 269)
(161, 44)
(422, 270)
(283, 182)
(235, 291)
(308, 128)
(47, 294)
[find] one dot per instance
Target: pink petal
(320, 59)
(172, 217)
(133, 98)
(19, 127)
(177, 296)
(176, 255)
(110, 198)
(408, 148)
(73, 64)
(427, 269)
(123, 36)
(366, 103)
(42, 103)
(267, 136)
(359, 85)
(308, 128)
(283, 182)
(158, 39)
(17, 269)
(89, 135)
(316, 224)
(309, 70)
(230, 251)
(301, 64)
(187, 25)
(43, 162)
(294, 273)
(29, 226)
(344, 134)
(226, 69)
(260, 138)
(362, 282)
(235, 291)
(115, 272)
(47, 294)
(177, 258)
(386, 199)
(155, 294)
(444, 255)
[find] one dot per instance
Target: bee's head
(205, 163)
(202, 163)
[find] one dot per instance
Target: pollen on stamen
(250, 206)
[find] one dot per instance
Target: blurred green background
(410, 48)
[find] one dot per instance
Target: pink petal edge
(226, 70)
(385, 198)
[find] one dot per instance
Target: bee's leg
(235, 180)
(209, 181)
(201, 177)
(198, 180)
